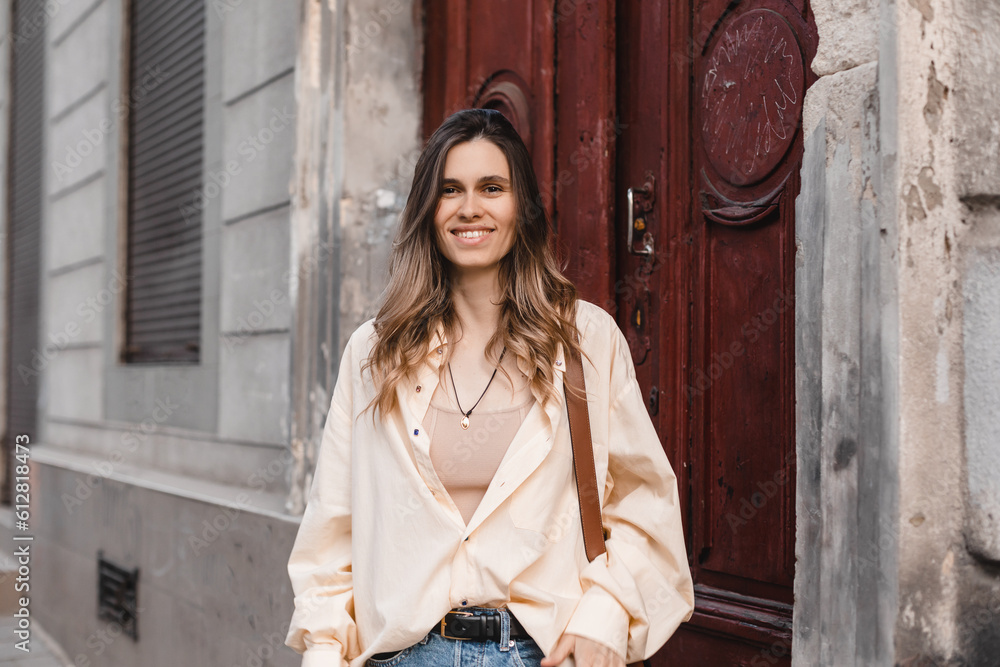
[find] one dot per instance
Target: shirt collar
(419, 394)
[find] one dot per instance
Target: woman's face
(476, 212)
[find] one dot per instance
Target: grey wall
(210, 591)
(976, 89)
(223, 418)
(143, 461)
(195, 474)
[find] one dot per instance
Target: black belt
(464, 625)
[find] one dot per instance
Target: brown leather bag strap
(583, 464)
(583, 457)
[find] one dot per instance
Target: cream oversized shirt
(382, 551)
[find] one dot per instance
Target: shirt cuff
(323, 657)
(601, 618)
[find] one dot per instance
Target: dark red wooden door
(694, 106)
(710, 94)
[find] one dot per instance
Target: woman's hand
(588, 653)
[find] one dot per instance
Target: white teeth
(472, 235)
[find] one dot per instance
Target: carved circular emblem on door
(751, 96)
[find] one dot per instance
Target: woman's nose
(471, 207)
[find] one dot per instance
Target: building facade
(200, 197)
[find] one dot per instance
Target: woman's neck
(476, 297)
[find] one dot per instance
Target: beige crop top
(467, 459)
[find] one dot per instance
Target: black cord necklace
(465, 419)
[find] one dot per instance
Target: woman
(443, 524)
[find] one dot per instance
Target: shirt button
(466, 539)
(418, 388)
(559, 362)
(465, 602)
(439, 350)
(416, 431)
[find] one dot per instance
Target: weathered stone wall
(383, 108)
(358, 141)
(948, 219)
(898, 320)
(845, 541)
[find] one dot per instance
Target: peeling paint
(937, 93)
(932, 193)
(949, 564)
(925, 9)
(941, 390)
(914, 208)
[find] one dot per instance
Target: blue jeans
(436, 651)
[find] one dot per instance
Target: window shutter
(166, 97)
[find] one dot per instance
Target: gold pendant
(465, 422)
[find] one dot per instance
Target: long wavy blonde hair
(538, 303)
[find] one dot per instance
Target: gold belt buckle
(444, 622)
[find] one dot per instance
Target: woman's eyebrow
(493, 178)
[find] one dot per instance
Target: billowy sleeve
(639, 591)
(323, 626)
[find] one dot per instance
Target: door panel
(743, 382)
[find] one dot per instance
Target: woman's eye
(494, 189)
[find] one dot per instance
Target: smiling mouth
(472, 234)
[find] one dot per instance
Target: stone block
(75, 225)
(260, 39)
(840, 99)
(976, 96)
(258, 145)
(981, 321)
(848, 34)
(254, 392)
(78, 142)
(60, 15)
(75, 384)
(254, 290)
(75, 303)
(79, 62)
